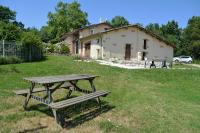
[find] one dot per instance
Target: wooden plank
(25, 91)
(61, 78)
(35, 90)
(76, 100)
(42, 100)
(82, 97)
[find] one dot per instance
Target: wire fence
(26, 53)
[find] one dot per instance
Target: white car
(183, 59)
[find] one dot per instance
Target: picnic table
(52, 83)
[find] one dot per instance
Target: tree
(171, 28)
(6, 14)
(170, 32)
(67, 17)
(9, 31)
(191, 37)
(47, 33)
(19, 24)
(119, 21)
(155, 28)
(30, 39)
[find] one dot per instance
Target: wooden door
(87, 50)
(128, 52)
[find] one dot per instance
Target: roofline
(136, 26)
(93, 25)
(77, 30)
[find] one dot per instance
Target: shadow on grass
(44, 58)
(33, 130)
(77, 114)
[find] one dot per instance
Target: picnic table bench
(51, 83)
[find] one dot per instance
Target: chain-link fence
(26, 53)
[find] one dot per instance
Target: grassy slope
(145, 100)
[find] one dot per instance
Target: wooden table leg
(76, 88)
(49, 94)
(28, 96)
(58, 117)
(94, 89)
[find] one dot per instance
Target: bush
(10, 60)
(64, 49)
(51, 48)
(76, 57)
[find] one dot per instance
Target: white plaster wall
(114, 45)
(93, 47)
(156, 49)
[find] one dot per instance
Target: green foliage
(191, 37)
(67, 17)
(64, 49)
(9, 31)
(155, 28)
(119, 21)
(170, 32)
(30, 38)
(6, 14)
(47, 33)
(9, 60)
(51, 48)
(76, 57)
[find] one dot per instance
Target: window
(145, 44)
(92, 31)
(105, 29)
(98, 40)
(76, 47)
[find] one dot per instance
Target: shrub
(51, 48)
(76, 57)
(64, 49)
(10, 60)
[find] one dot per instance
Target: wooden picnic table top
(59, 78)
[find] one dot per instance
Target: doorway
(144, 55)
(128, 52)
(87, 50)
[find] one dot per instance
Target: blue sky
(33, 13)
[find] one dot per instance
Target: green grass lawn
(153, 100)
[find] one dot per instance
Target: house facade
(125, 43)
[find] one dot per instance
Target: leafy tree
(119, 21)
(47, 34)
(19, 24)
(170, 32)
(30, 38)
(171, 28)
(9, 31)
(6, 14)
(191, 37)
(67, 17)
(155, 28)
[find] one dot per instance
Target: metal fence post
(3, 49)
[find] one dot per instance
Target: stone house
(131, 42)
